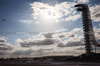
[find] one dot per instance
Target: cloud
(38, 42)
(70, 34)
(18, 40)
(81, 48)
(97, 34)
(74, 38)
(73, 17)
(71, 43)
(44, 44)
(43, 52)
(39, 47)
(49, 45)
(2, 53)
(58, 11)
(65, 51)
(61, 30)
(22, 52)
(77, 39)
(4, 47)
(26, 21)
(95, 12)
(2, 40)
(83, 1)
(61, 36)
(30, 52)
(48, 34)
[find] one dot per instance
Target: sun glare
(48, 17)
(48, 14)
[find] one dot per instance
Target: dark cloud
(81, 48)
(71, 43)
(2, 44)
(4, 47)
(95, 12)
(48, 35)
(22, 52)
(30, 43)
(61, 36)
(74, 43)
(97, 15)
(72, 35)
(42, 52)
(61, 45)
(2, 40)
(2, 53)
(31, 52)
(67, 52)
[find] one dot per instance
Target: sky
(34, 28)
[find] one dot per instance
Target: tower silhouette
(87, 28)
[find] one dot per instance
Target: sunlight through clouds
(46, 13)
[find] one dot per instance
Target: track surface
(53, 64)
